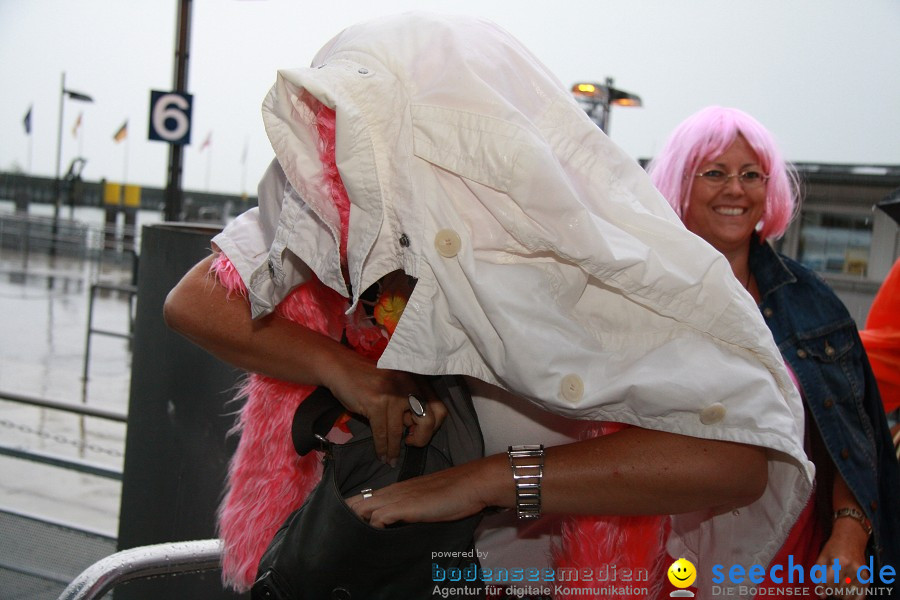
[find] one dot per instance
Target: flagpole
(54, 230)
(174, 193)
(125, 162)
(63, 92)
(244, 171)
(80, 136)
(208, 165)
(120, 135)
(125, 155)
(56, 205)
(30, 150)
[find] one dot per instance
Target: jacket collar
(767, 266)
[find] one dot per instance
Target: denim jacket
(820, 342)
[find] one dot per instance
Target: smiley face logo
(682, 573)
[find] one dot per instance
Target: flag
(122, 133)
(77, 125)
(78, 96)
(27, 120)
(207, 142)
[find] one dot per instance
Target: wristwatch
(854, 514)
(527, 464)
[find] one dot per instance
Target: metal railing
(130, 291)
(78, 409)
(55, 460)
(175, 558)
(36, 246)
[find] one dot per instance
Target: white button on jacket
(547, 263)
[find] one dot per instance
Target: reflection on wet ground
(43, 328)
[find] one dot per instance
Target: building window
(835, 243)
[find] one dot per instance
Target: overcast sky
(823, 75)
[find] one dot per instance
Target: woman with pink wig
(723, 174)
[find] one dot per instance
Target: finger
(394, 432)
(386, 420)
(425, 425)
(381, 507)
(380, 518)
(388, 512)
(353, 502)
(419, 434)
(374, 511)
(409, 426)
(379, 435)
(420, 431)
(418, 420)
(361, 506)
(439, 410)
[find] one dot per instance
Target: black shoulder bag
(325, 551)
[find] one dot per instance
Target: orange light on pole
(588, 89)
(599, 97)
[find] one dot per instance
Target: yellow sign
(112, 192)
(132, 196)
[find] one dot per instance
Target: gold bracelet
(856, 516)
(527, 464)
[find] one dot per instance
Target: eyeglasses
(750, 179)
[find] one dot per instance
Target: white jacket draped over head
(547, 263)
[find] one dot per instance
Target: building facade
(840, 233)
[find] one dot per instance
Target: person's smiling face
(725, 214)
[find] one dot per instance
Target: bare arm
(634, 471)
(200, 308)
(848, 540)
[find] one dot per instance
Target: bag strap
(313, 419)
(318, 413)
(413, 462)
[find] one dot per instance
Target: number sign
(170, 117)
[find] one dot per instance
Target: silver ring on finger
(367, 493)
(416, 406)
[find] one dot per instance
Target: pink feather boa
(598, 543)
(267, 480)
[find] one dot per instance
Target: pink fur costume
(267, 480)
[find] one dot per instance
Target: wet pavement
(43, 330)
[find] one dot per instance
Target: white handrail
(172, 558)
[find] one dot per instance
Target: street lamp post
(600, 97)
(173, 206)
(72, 95)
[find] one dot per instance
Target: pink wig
(706, 135)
